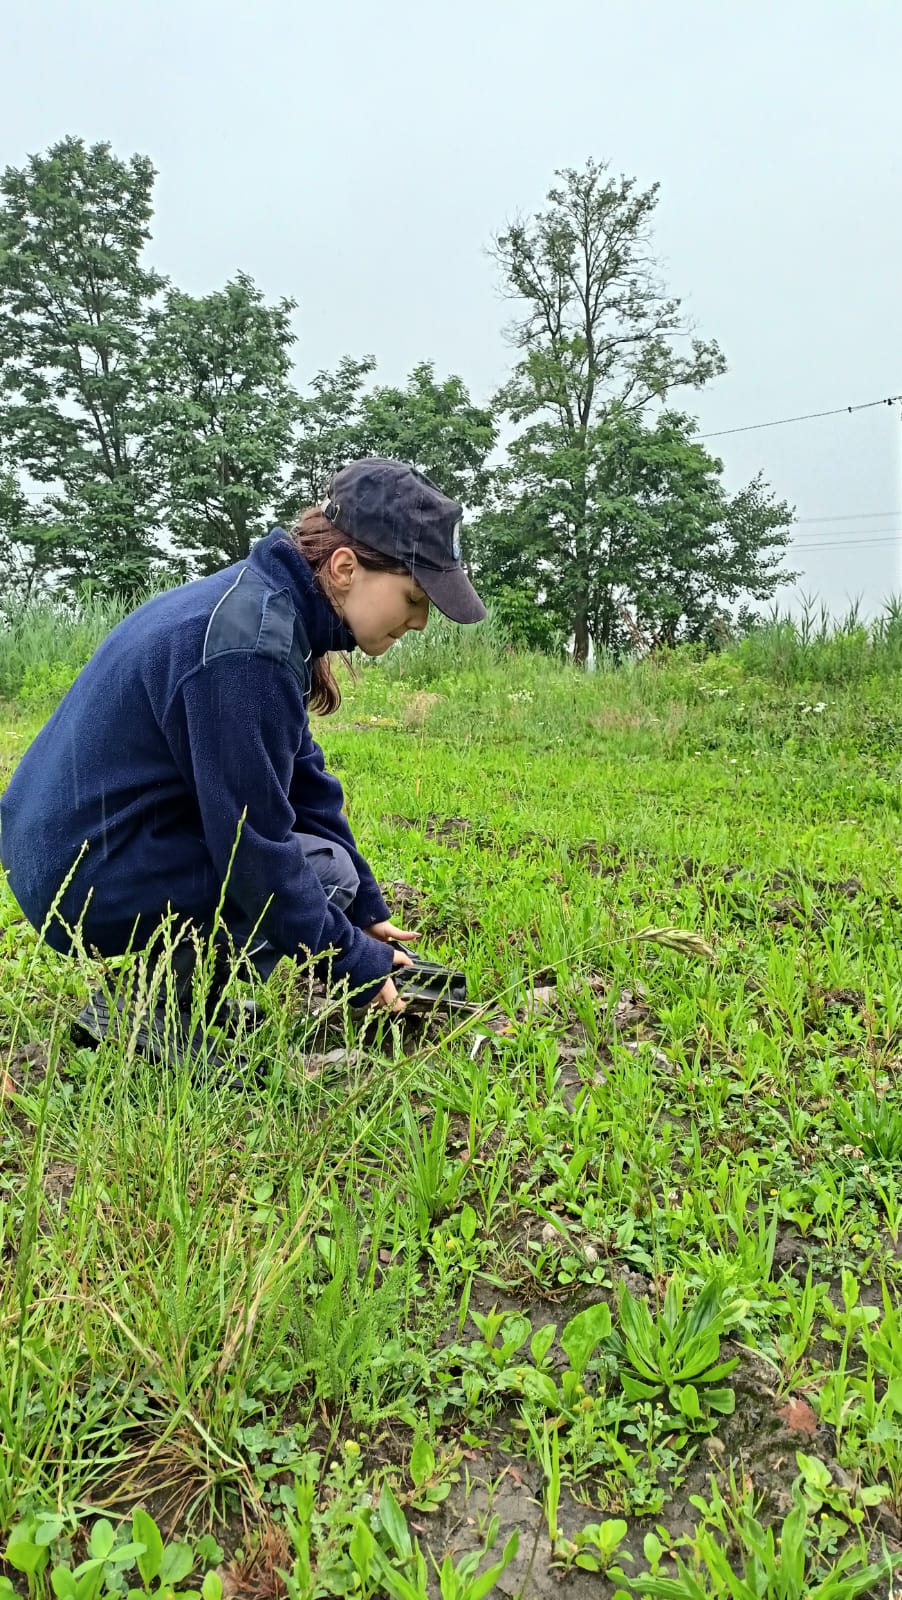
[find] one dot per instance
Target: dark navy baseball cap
(401, 513)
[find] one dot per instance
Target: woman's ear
(342, 567)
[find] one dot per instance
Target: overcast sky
(358, 158)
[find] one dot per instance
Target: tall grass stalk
(812, 647)
(48, 642)
(446, 650)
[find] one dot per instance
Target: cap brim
(453, 593)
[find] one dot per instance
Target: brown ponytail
(317, 540)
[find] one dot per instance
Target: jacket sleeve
(234, 726)
(317, 798)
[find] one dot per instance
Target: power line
(848, 516)
(855, 535)
(848, 544)
(809, 416)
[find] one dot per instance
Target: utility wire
(846, 535)
(849, 516)
(847, 544)
(809, 416)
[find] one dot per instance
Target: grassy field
(600, 1298)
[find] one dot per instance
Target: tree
(650, 544)
(328, 432)
(598, 334)
(436, 427)
(220, 414)
(433, 425)
(672, 544)
(74, 306)
(26, 545)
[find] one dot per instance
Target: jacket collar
(281, 565)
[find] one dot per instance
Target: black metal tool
(427, 987)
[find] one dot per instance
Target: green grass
(810, 646)
(43, 646)
(249, 1313)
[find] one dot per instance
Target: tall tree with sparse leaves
(650, 545)
(598, 333)
(220, 413)
(75, 297)
(675, 548)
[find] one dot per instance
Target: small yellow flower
(351, 1447)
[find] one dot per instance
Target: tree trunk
(583, 566)
(604, 623)
(581, 633)
(242, 539)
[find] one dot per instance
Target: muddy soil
(759, 1442)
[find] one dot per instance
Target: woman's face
(378, 607)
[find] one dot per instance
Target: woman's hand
(389, 998)
(388, 995)
(389, 934)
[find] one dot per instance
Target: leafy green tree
(650, 545)
(26, 544)
(517, 560)
(434, 425)
(598, 334)
(220, 413)
(673, 547)
(75, 298)
(328, 432)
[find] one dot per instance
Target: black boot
(165, 1034)
(228, 1014)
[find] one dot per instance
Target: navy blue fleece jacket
(191, 716)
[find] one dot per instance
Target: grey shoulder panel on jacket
(251, 616)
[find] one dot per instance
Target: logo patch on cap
(455, 539)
